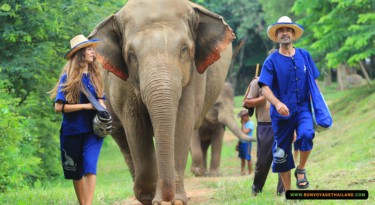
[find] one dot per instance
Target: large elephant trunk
(230, 122)
(161, 92)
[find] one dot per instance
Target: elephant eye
(217, 104)
(184, 48)
(184, 51)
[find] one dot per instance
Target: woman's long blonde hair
(74, 71)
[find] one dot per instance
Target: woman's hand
(66, 108)
(101, 101)
(88, 106)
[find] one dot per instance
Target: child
(244, 148)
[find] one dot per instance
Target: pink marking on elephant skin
(227, 39)
(111, 67)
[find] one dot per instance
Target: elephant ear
(109, 52)
(212, 36)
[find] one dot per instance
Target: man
(264, 137)
(284, 83)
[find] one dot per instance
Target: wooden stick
(248, 87)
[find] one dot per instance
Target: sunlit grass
(114, 183)
(342, 158)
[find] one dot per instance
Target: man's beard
(285, 42)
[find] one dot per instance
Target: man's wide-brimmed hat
(284, 22)
(242, 113)
(78, 42)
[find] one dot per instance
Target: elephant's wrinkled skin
(166, 63)
(211, 132)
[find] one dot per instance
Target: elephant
(211, 132)
(164, 65)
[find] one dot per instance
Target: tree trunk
(232, 73)
(341, 73)
(365, 72)
(327, 78)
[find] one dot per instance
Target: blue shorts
(244, 150)
(282, 146)
(80, 154)
(295, 146)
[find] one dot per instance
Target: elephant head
(223, 112)
(188, 30)
(159, 52)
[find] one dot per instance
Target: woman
(80, 147)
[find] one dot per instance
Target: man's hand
(282, 109)
(244, 104)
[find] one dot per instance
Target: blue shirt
(287, 78)
(249, 125)
(77, 122)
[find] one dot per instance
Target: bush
(17, 149)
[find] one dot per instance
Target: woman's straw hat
(78, 42)
(284, 21)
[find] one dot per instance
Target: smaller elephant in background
(211, 132)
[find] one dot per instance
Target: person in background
(80, 147)
(265, 137)
(284, 84)
(244, 148)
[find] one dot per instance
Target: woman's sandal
(299, 181)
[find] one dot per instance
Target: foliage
(276, 9)
(348, 40)
(243, 16)
(19, 162)
(35, 35)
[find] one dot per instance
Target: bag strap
(95, 103)
(306, 64)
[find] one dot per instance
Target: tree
(274, 9)
(349, 40)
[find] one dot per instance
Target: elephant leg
(196, 154)
(204, 146)
(139, 131)
(181, 155)
(118, 134)
(183, 132)
(216, 145)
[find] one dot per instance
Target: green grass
(342, 159)
(114, 184)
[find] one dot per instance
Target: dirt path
(196, 187)
(196, 193)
